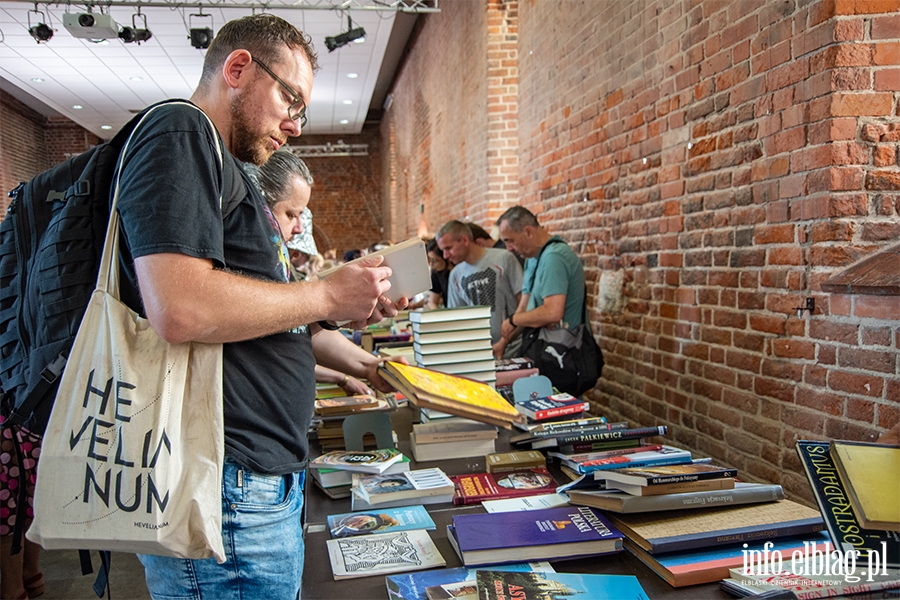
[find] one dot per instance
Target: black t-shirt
(169, 202)
(439, 282)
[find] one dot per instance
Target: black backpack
(50, 246)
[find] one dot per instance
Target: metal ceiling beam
(406, 6)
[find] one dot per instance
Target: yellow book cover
(871, 476)
(452, 394)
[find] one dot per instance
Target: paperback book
(552, 407)
(474, 488)
(420, 483)
(505, 462)
(412, 586)
(456, 430)
(666, 455)
(536, 431)
(538, 502)
(383, 553)
(871, 476)
(667, 474)
(328, 478)
(549, 534)
(671, 531)
(450, 450)
(376, 461)
(847, 533)
(389, 519)
(500, 585)
(455, 395)
(596, 434)
(621, 502)
(668, 488)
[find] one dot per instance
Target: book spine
(549, 413)
(598, 446)
(638, 504)
(607, 464)
(611, 436)
(662, 480)
(733, 536)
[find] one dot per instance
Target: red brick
(774, 325)
(774, 389)
(793, 349)
(855, 383)
(887, 80)
(878, 307)
(887, 54)
(834, 331)
(867, 360)
(832, 404)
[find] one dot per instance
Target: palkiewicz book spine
(604, 436)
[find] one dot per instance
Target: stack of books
(328, 424)
(588, 435)
(333, 471)
(452, 438)
(455, 341)
(510, 369)
(421, 486)
(554, 407)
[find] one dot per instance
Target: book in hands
(421, 483)
(375, 461)
(344, 405)
(410, 274)
(549, 534)
(501, 585)
(382, 521)
(871, 477)
(473, 488)
(383, 553)
(552, 407)
(451, 394)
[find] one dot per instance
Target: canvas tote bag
(133, 453)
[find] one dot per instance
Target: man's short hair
(518, 218)
(478, 232)
(262, 35)
(457, 229)
(274, 177)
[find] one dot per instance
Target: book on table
(455, 325)
(430, 451)
(504, 462)
(666, 488)
(450, 347)
(417, 484)
(331, 477)
(444, 337)
(455, 395)
(464, 367)
(596, 434)
(409, 265)
(847, 533)
(670, 531)
(459, 313)
(503, 585)
(871, 476)
(573, 460)
(412, 586)
(473, 488)
(660, 475)
(552, 407)
(623, 502)
(361, 461)
(536, 431)
(445, 358)
(383, 553)
(666, 455)
(455, 430)
(539, 502)
(548, 534)
(381, 521)
(706, 565)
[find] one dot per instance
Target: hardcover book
(504, 462)
(549, 534)
(409, 265)
(552, 407)
(462, 368)
(450, 314)
(846, 531)
(668, 488)
(455, 430)
(477, 487)
(667, 474)
(412, 586)
(621, 502)
(421, 483)
(499, 585)
(444, 358)
(389, 519)
(376, 461)
(463, 335)
(455, 395)
(871, 476)
(383, 553)
(705, 565)
(457, 325)
(670, 531)
(535, 431)
(666, 455)
(574, 460)
(450, 450)
(598, 434)
(447, 347)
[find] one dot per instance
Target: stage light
(200, 36)
(135, 33)
(352, 34)
(40, 32)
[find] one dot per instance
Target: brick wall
(346, 200)
(727, 157)
(31, 143)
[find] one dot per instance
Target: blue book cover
(379, 521)
(501, 585)
(552, 533)
(411, 586)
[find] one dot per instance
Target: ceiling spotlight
(333, 43)
(40, 32)
(135, 33)
(200, 36)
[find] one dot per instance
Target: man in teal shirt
(553, 286)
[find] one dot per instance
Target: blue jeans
(262, 532)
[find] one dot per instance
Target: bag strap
(584, 313)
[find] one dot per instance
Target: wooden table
(318, 583)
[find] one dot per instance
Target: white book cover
(383, 553)
(526, 503)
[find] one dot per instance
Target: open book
(409, 264)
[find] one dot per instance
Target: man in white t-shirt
(482, 276)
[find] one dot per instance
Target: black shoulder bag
(569, 357)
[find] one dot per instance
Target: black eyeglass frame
(297, 109)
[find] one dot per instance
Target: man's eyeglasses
(297, 109)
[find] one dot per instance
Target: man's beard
(248, 146)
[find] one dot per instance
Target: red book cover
(477, 487)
